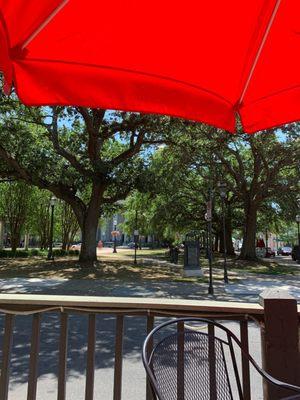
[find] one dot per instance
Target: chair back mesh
(189, 365)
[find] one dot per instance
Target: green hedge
(37, 252)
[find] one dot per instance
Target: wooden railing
(38, 305)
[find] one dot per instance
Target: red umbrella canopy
(203, 60)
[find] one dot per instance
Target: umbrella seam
(128, 71)
(263, 98)
(135, 110)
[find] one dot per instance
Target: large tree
(257, 168)
(68, 224)
(15, 198)
(87, 157)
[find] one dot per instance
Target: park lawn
(69, 268)
(151, 265)
(115, 267)
(259, 267)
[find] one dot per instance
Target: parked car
(76, 246)
(270, 252)
(286, 251)
(296, 253)
(131, 245)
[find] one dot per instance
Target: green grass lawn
(121, 266)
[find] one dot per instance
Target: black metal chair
(191, 364)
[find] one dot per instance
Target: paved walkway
(245, 287)
(251, 287)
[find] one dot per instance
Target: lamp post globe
(52, 205)
(223, 193)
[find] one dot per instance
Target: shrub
(3, 254)
(17, 254)
(21, 254)
(36, 252)
(59, 253)
(73, 252)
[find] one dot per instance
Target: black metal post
(50, 252)
(298, 223)
(135, 236)
(206, 242)
(210, 288)
(115, 239)
(224, 238)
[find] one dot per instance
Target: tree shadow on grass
(72, 269)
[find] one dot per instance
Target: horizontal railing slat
(138, 303)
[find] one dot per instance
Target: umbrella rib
(44, 24)
(259, 51)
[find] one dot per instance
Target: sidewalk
(253, 286)
(246, 288)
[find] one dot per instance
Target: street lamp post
(50, 252)
(115, 236)
(208, 217)
(135, 235)
(223, 193)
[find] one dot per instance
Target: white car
(76, 246)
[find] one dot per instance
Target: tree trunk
(15, 241)
(216, 242)
(26, 241)
(88, 252)
(88, 221)
(229, 243)
(1, 234)
(221, 247)
(249, 239)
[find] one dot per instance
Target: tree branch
(133, 149)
